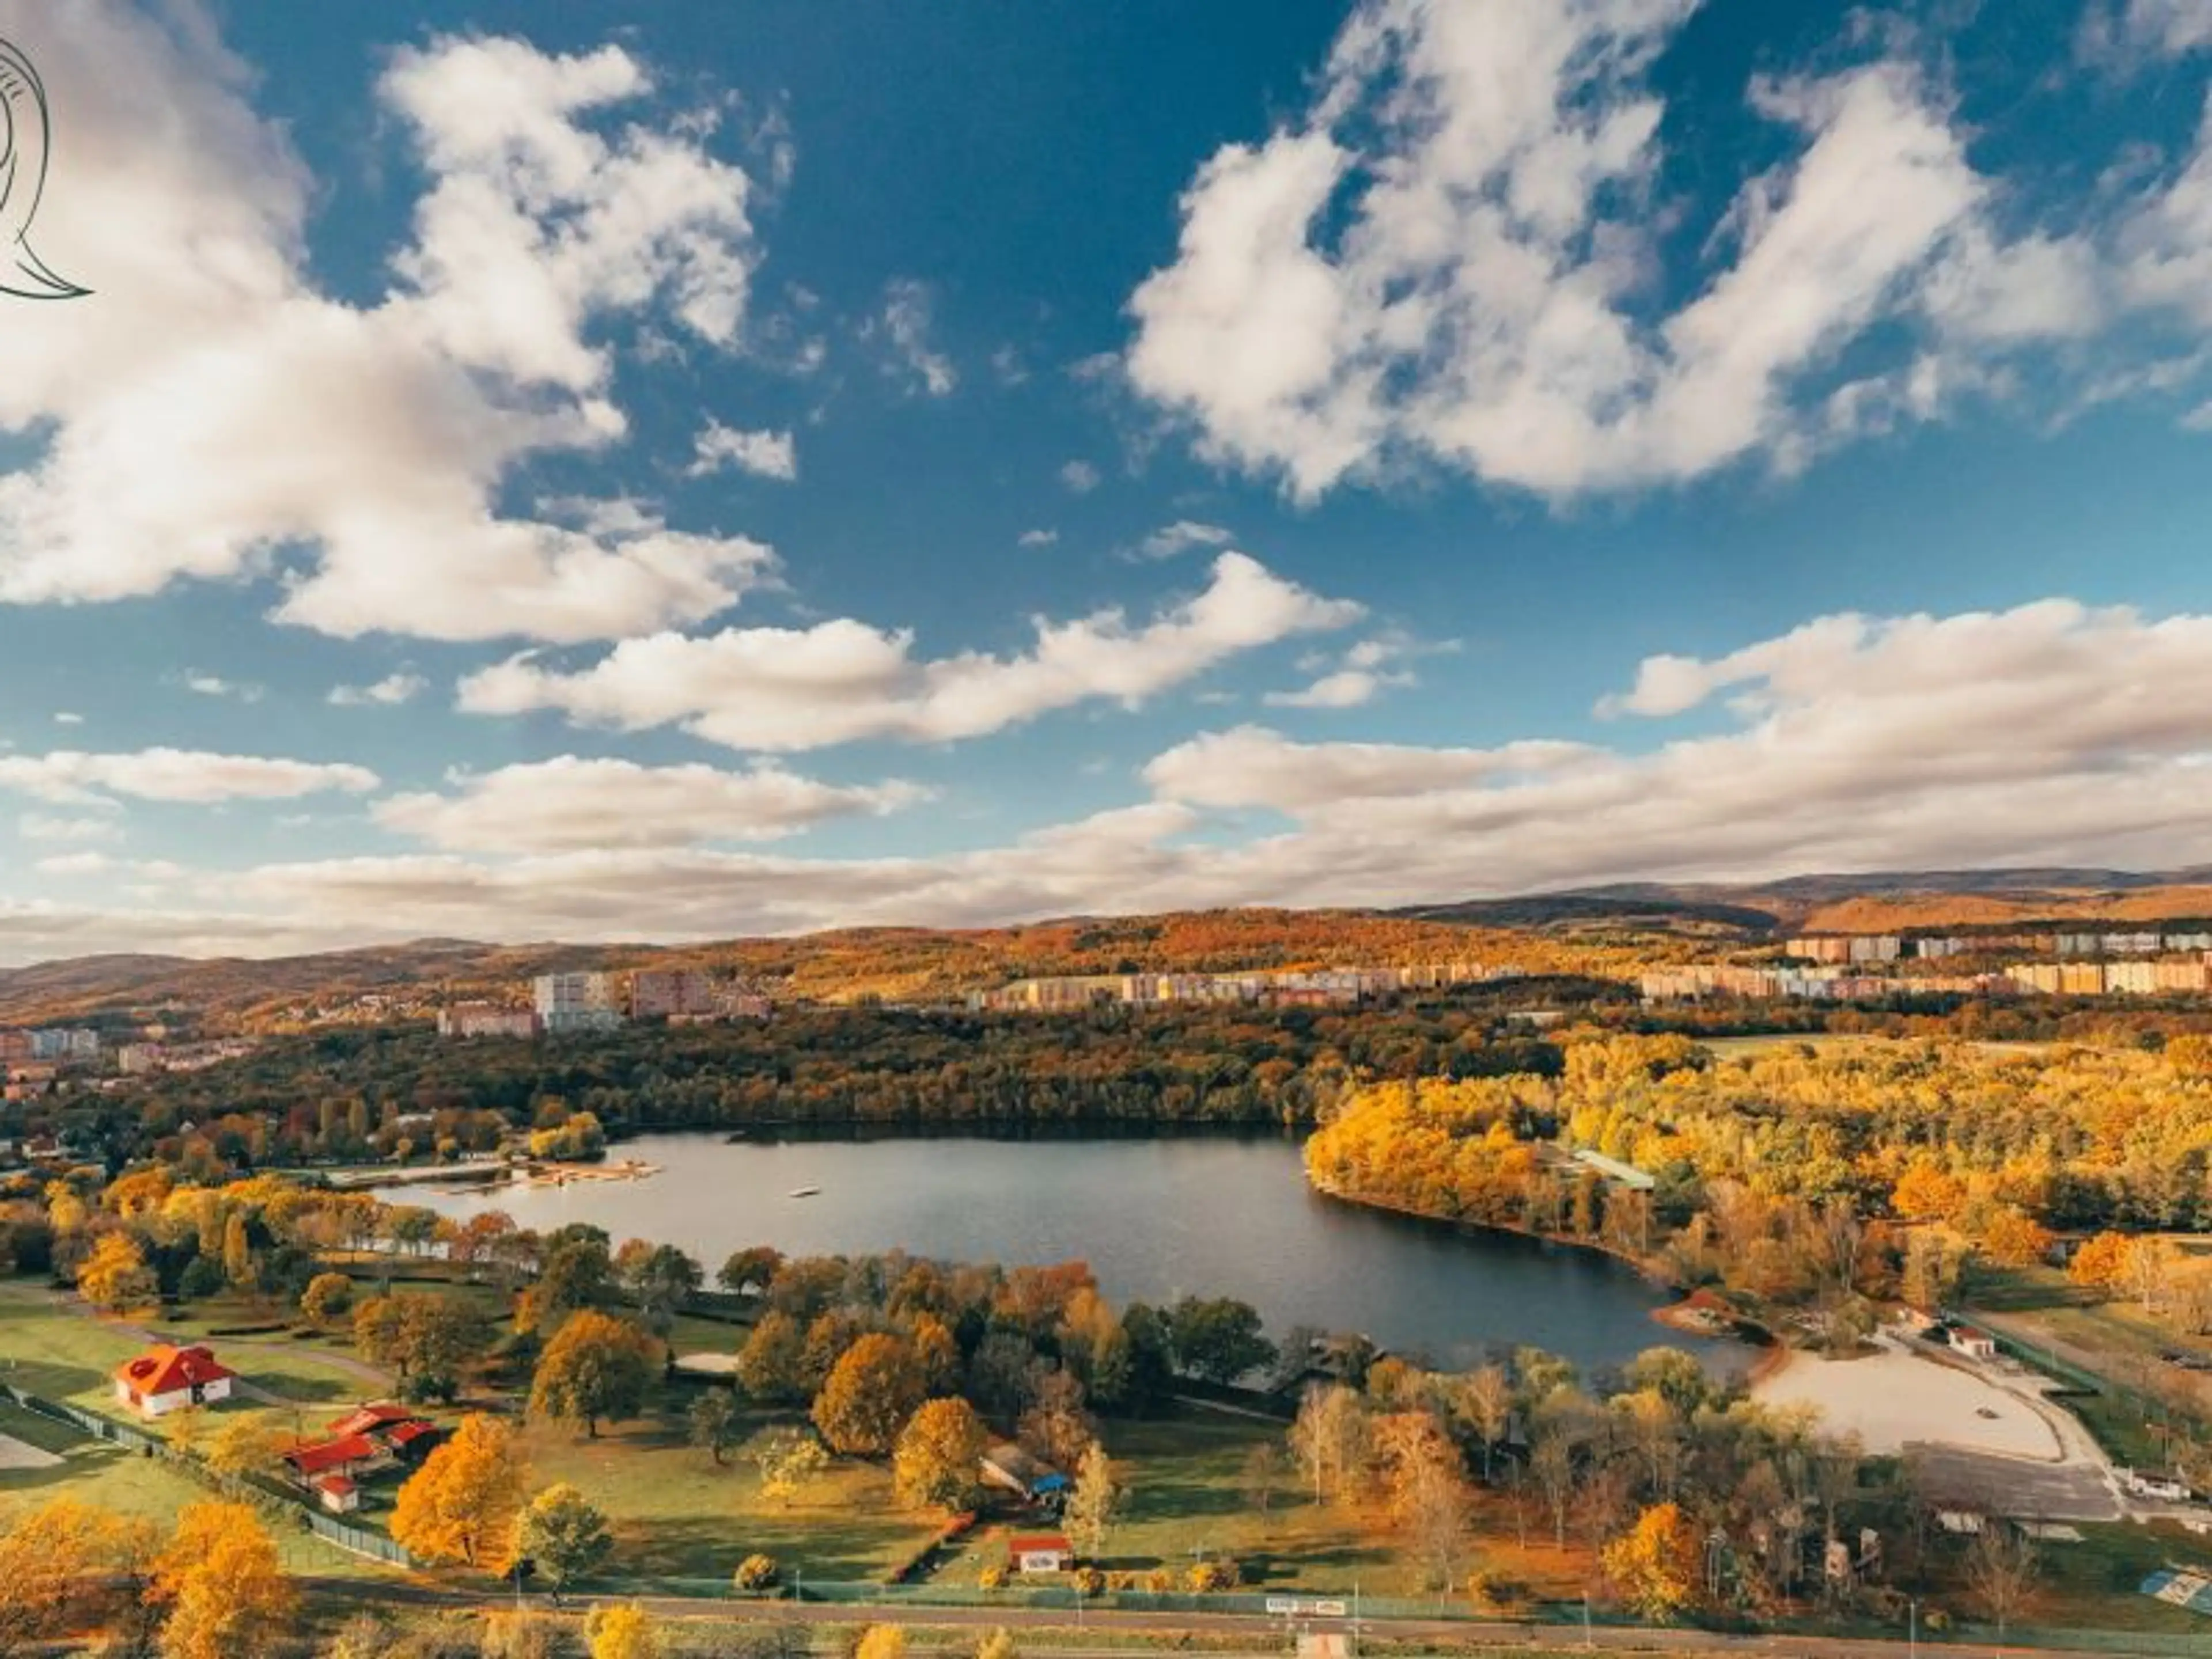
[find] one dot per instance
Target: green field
(676, 1516)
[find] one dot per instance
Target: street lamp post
(1912, 1626)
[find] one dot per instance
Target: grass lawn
(99, 1473)
(2042, 1309)
(2094, 1584)
(675, 1515)
(46, 1349)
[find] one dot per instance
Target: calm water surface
(1155, 1218)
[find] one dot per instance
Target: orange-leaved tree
(460, 1505)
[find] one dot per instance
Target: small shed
(337, 1493)
(2169, 1485)
(1973, 1342)
(1043, 1552)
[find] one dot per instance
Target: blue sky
(521, 475)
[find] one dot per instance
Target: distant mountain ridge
(1593, 929)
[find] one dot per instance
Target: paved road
(1269, 1635)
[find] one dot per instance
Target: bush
(755, 1573)
(1089, 1581)
(1209, 1576)
(992, 1577)
(1491, 1593)
(1161, 1580)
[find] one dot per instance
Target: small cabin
(164, 1379)
(2168, 1486)
(1973, 1342)
(338, 1494)
(1049, 1552)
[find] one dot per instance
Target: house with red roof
(338, 1494)
(164, 1379)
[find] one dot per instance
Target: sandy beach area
(1893, 1398)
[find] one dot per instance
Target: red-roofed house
(164, 1379)
(338, 1494)
(368, 1419)
(347, 1455)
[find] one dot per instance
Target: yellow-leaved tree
(623, 1632)
(939, 1457)
(115, 1275)
(51, 1560)
(220, 1581)
(1655, 1563)
(461, 1504)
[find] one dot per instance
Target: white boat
(805, 1191)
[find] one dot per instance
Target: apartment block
(577, 1002)
(485, 1019)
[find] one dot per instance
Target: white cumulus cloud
(575, 804)
(763, 454)
(214, 417)
(840, 681)
(174, 774)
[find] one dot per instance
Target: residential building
(164, 1379)
(2082, 979)
(485, 1019)
(577, 1002)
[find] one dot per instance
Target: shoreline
(1677, 1316)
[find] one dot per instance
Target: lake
(1155, 1217)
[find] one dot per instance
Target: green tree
(713, 1422)
(595, 1367)
(563, 1535)
(1218, 1339)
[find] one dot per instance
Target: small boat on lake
(805, 1191)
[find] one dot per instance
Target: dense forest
(348, 1093)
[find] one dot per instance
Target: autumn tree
(425, 1338)
(52, 1558)
(788, 1458)
(461, 1504)
(595, 1367)
(220, 1581)
(563, 1535)
(326, 1298)
(1484, 1402)
(115, 1275)
(2100, 1262)
(2001, 1569)
(881, 1642)
(1426, 1491)
(1329, 1438)
(872, 1391)
(713, 1423)
(1655, 1563)
(623, 1631)
(750, 1271)
(1093, 1502)
(245, 1443)
(939, 1458)
(1262, 1477)
(772, 1364)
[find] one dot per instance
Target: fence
(274, 1494)
(1530, 1626)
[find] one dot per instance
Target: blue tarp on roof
(2192, 1590)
